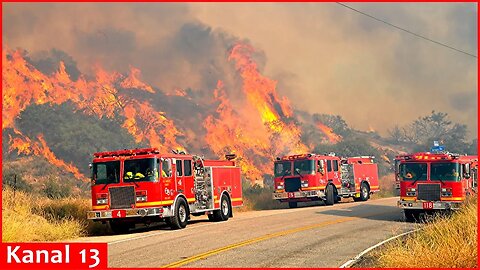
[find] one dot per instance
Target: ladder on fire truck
(202, 185)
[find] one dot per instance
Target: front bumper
(298, 195)
(437, 205)
(130, 213)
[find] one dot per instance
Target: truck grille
(429, 192)
(122, 197)
(292, 184)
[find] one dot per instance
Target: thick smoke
(330, 59)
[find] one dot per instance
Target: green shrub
(53, 190)
(14, 181)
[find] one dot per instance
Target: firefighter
(139, 175)
(128, 176)
(453, 174)
(152, 173)
(409, 175)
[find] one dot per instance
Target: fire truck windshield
(413, 171)
(304, 166)
(283, 168)
(444, 172)
(105, 172)
(140, 170)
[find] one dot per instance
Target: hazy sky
(325, 57)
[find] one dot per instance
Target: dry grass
(256, 197)
(443, 243)
(386, 184)
(262, 201)
(28, 217)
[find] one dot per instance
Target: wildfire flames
(262, 136)
(330, 135)
(25, 146)
(257, 128)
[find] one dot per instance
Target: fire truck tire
(224, 212)
(180, 219)
(330, 197)
(292, 204)
(364, 192)
(411, 215)
(119, 227)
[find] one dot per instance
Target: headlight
(142, 199)
(446, 192)
(411, 192)
(102, 198)
(304, 184)
(141, 195)
(102, 201)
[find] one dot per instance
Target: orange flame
(257, 128)
(260, 129)
(227, 134)
(24, 85)
(132, 81)
(331, 136)
(24, 145)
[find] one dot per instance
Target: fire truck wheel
(411, 215)
(180, 219)
(337, 198)
(292, 204)
(330, 200)
(364, 192)
(224, 212)
(119, 227)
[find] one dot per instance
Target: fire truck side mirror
(169, 167)
(466, 171)
(321, 166)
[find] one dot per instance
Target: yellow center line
(262, 238)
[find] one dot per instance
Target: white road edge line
(349, 263)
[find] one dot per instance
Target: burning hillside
(254, 122)
(330, 135)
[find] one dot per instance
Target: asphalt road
(314, 236)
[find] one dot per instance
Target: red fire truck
(144, 186)
(312, 177)
(435, 181)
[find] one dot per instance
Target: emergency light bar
(292, 157)
(132, 152)
(431, 156)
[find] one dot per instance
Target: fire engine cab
(312, 177)
(432, 181)
(144, 186)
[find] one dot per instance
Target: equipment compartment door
(333, 171)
